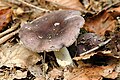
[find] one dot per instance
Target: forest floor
(95, 53)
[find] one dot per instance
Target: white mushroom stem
(63, 57)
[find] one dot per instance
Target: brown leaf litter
(90, 72)
(100, 23)
(17, 55)
(17, 62)
(5, 17)
(71, 4)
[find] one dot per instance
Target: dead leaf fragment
(90, 73)
(115, 11)
(55, 74)
(17, 55)
(39, 78)
(72, 4)
(10, 74)
(3, 5)
(100, 23)
(5, 17)
(113, 75)
(114, 45)
(19, 74)
(18, 11)
(35, 70)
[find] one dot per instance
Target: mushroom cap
(52, 31)
(88, 41)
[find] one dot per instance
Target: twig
(9, 30)
(22, 1)
(109, 6)
(43, 62)
(93, 49)
(5, 38)
(99, 45)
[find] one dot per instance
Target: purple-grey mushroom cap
(88, 41)
(52, 31)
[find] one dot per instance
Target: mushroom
(53, 32)
(87, 41)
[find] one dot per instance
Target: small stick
(43, 61)
(109, 6)
(99, 45)
(5, 38)
(9, 30)
(32, 6)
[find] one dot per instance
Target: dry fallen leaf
(114, 45)
(18, 11)
(3, 5)
(82, 74)
(36, 71)
(17, 55)
(90, 73)
(55, 74)
(113, 75)
(117, 69)
(10, 74)
(72, 4)
(115, 11)
(100, 23)
(19, 74)
(5, 17)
